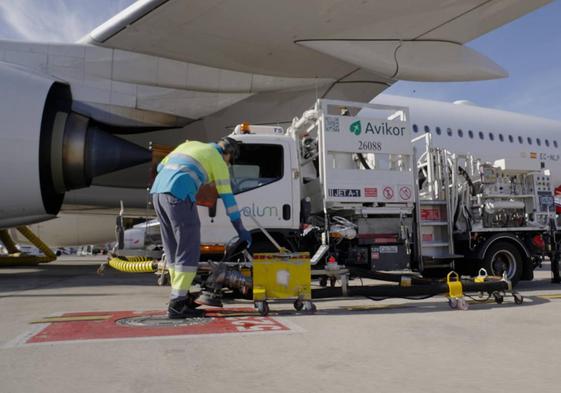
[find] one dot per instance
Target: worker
(180, 176)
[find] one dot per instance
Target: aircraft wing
(330, 41)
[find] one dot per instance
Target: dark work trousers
(181, 236)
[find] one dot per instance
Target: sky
(529, 48)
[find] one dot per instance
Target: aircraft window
(520, 140)
(460, 133)
(257, 166)
(547, 142)
(470, 133)
(501, 138)
(510, 139)
(529, 140)
(438, 131)
(427, 129)
(449, 131)
(491, 136)
(415, 128)
(538, 141)
(481, 135)
(555, 143)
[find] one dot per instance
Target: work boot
(179, 309)
(191, 300)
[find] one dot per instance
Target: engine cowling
(47, 149)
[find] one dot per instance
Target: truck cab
(265, 181)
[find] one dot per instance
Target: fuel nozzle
(222, 276)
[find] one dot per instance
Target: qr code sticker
(331, 124)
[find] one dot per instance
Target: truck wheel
(504, 257)
(262, 307)
(518, 298)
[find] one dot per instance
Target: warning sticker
(371, 192)
(427, 237)
(388, 249)
(388, 192)
(405, 193)
(430, 214)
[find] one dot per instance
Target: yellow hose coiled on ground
(133, 264)
(17, 259)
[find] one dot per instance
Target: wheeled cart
(282, 276)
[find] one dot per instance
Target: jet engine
(47, 149)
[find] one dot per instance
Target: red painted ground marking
(219, 323)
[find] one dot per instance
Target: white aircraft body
(490, 134)
(74, 116)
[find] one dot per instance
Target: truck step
(440, 261)
(429, 258)
(428, 202)
(427, 223)
(434, 244)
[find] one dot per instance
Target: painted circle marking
(153, 321)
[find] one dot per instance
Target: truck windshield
(258, 165)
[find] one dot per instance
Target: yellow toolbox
(282, 276)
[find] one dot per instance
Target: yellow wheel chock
(481, 276)
(455, 292)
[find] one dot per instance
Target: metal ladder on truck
(435, 207)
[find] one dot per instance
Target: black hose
(379, 299)
(363, 161)
(391, 277)
(466, 176)
(413, 291)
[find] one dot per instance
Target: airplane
(75, 115)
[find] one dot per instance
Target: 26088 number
(369, 145)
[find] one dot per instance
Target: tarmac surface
(352, 345)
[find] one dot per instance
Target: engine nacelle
(46, 149)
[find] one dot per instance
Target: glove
(243, 233)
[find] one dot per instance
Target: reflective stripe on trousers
(181, 236)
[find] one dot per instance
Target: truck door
(262, 182)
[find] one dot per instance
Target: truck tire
(504, 257)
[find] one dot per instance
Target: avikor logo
(379, 129)
(356, 128)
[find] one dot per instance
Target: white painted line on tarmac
(21, 340)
